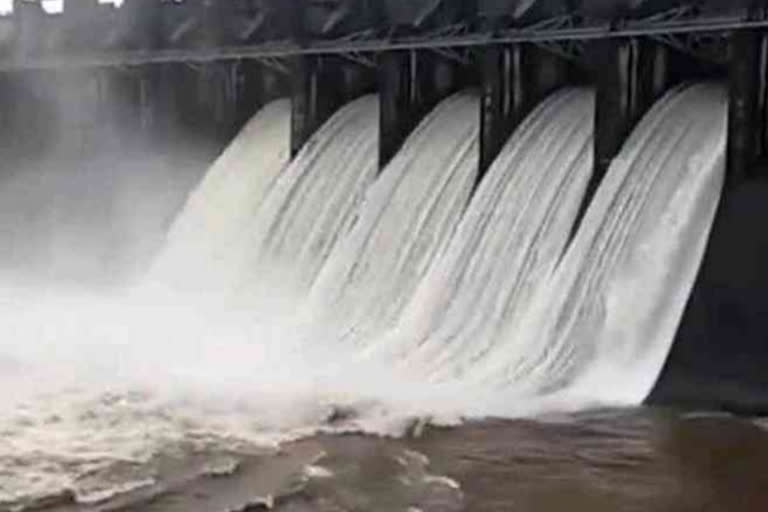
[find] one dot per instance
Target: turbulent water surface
(631, 460)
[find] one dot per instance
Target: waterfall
(222, 208)
(313, 203)
(599, 330)
(260, 226)
(509, 322)
(399, 270)
(426, 299)
(407, 279)
(408, 215)
(509, 241)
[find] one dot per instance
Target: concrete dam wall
(194, 71)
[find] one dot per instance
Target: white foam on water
(101, 381)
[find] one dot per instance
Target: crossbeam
(539, 34)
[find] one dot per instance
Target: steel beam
(409, 87)
(536, 34)
(514, 79)
(630, 75)
(746, 116)
(320, 85)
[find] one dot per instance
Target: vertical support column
(146, 86)
(499, 76)
(119, 110)
(630, 75)
(411, 83)
(256, 85)
(8, 135)
(20, 116)
(318, 90)
(160, 103)
(514, 79)
(248, 90)
(397, 96)
(132, 87)
(747, 81)
(216, 102)
(188, 116)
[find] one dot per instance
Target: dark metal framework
(697, 35)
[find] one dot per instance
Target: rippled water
(629, 460)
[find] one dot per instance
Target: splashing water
(492, 315)
(408, 215)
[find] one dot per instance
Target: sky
(51, 6)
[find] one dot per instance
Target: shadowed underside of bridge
(174, 71)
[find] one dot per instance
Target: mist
(97, 165)
(87, 187)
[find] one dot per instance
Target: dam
(439, 209)
(234, 57)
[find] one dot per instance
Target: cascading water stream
(510, 239)
(408, 215)
(221, 210)
(498, 319)
(599, 331)
(265, 230)
(313, 202)
(137, 373)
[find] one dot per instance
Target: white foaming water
(102, 383)
(407, 216)
(497, 326)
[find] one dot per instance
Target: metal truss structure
(682, 28)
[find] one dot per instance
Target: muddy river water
(633, 460)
